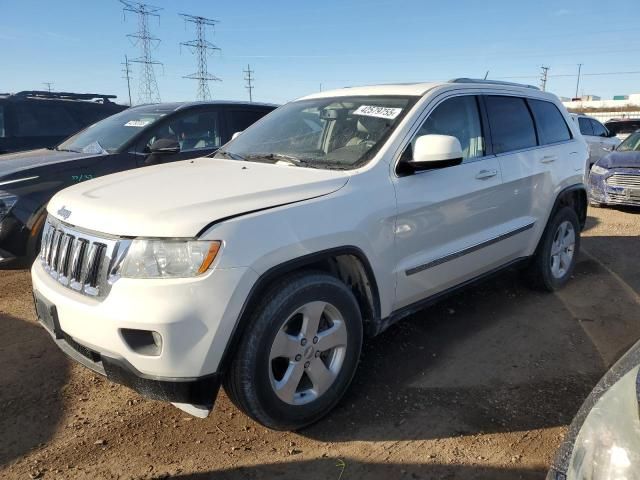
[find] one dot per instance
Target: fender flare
(268, 277)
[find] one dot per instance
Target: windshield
(108, 135)
(338, 132)
(631, 143)
(623, 126)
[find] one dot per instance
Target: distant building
(595, 102)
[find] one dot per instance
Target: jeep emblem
(64, 213)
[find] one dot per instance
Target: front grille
(79, 260)
(624, 180)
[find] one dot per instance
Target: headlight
(608, 445)
(168, 258)
(7, 201)
(598, 170)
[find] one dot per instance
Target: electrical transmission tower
(249, 80)
(543, 77)
(48, 84)
(201, 47)
(148, 88)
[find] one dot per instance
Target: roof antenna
(486, 75)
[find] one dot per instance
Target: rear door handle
(548, 159)
(484, 174)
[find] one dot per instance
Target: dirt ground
(481, 385)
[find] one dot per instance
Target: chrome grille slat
(624, 180)
(78, 260)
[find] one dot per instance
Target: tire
(277, 375)
(554, 261)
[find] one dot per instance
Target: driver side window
(458, 117)
(193, 131)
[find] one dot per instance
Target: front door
(197, 132)
(449, 219)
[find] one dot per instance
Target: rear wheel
(299, 352)
(555, 258)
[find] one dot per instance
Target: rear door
(450, 220)
(533, 157)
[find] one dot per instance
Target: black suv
(37, 119)
(136, 137)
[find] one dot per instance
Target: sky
(299, 47)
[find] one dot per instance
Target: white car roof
(420, 88)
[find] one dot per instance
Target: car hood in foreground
(12, 163)
(621, 160)
(180, 199)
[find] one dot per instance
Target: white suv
(599, 140)
(328, 220)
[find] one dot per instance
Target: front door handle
(548, 159)
(484, 174)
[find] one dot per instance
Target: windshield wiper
(57, 149)
(228, 154)
(278, 157)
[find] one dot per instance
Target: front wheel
(299, 352)
(555, 258)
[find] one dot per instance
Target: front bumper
(601, 192)
(195, 318)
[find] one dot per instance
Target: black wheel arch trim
(265, 280)
(578, 187)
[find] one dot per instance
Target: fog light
(144, 342)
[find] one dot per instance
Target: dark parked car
(603, 440)
(623, 127)
(615, 178)
(36, 119)
(136, 137)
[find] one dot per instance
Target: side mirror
(165, 145)
(236, 135)
(611, 134)
(436, 151)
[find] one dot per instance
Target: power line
(543, 77)
(201, 47)
(126, 70)
(148, 89)
(249, 79)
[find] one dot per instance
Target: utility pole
(543, 77)
(48, 84)
(148, 88)
(578, 82)
(201, 48)
(127, 74)
(249, 79)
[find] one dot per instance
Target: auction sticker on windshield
(137, 123)
(375, 111)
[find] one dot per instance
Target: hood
(179, 199)
(15, 162)
(620, 160)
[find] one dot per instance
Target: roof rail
(491, 82)
(63, 95)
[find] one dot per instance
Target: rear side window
(511, 124)
(240, 120)
(550, 123)
(42, 119)
(598, 129)
(585, 126)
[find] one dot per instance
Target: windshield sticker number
(379, 112)
(137, 123)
